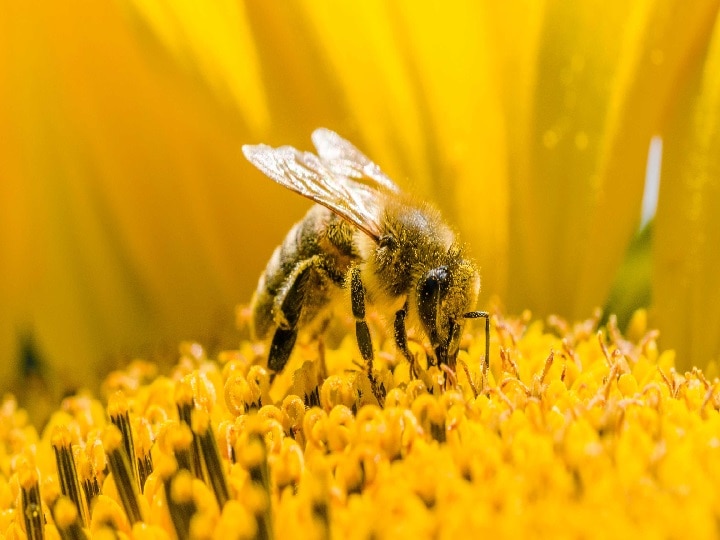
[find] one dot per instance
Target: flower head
(563, 428)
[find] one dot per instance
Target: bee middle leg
(362, 331)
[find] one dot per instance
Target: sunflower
(573, 145)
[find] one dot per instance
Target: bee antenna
(485, 315)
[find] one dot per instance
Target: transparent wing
(310, 176)
(342, 158)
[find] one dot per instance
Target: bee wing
(308, 175)
(342, 158)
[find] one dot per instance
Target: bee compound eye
(434, 284)
(431, 288)
(440, 277)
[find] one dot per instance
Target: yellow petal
(213, 43)
(666, 41)
(577, 187)
(686, 280)
(123, 200)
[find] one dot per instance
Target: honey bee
(367, 237)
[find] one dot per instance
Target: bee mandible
(366, 236)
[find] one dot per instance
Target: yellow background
(129, 219)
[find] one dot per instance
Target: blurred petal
(464, 127)
(577, 186)
(123, 192)
(212, 41)
(15, 226)
(686, 278)
(671, 35)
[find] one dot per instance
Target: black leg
(282, 345)
(485, 315)
(357, 297)
(401, 334)
(288, 307)
(362, 332)
(401, 340)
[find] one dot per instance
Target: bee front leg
(401, 335)
(400, 332)
(286, 310)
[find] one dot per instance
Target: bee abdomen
(281, 262)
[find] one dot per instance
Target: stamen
(252, 455)
(118, 411)
(181, 492)
(546, 366)
(315, 492)
(242, 395)
(226, 438)
(109, 522)
(203, 390)
(287, 466)
(294, 409)
(430, 415)
(260, 377)
(31, 501)
(210, 455)
(236, 522)
(181, 439)
(143, 457)
(67, 520)
(336, 390)
(468, 376)
(305, 384)
(184, 401)
(90, 465)
(179, 496)
(122, 473)
(67, 471)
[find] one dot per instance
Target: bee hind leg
(286, 311)
(282, 344)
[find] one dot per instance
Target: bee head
(444, 295)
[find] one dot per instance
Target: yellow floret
(571, 432)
